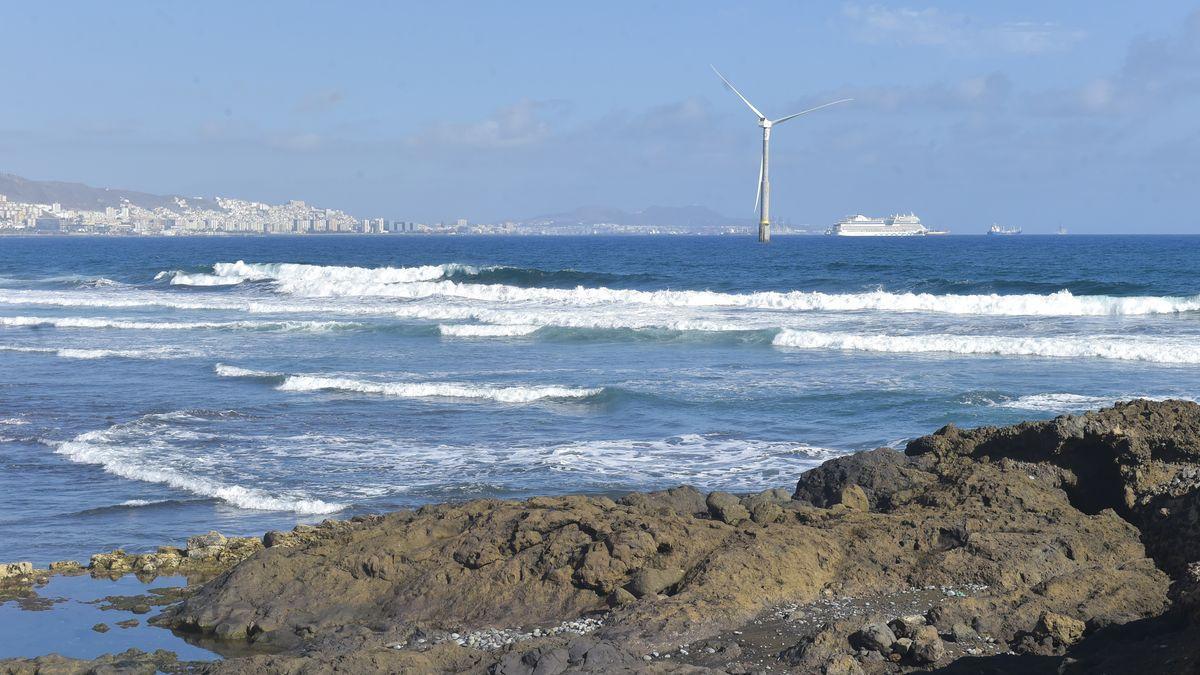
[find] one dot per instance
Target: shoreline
(1069, 545)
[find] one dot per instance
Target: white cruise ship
(898, 225)
(996, 230)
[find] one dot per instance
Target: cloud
(932, 27)
(524, 123)
(990, 91)
(1157, 72)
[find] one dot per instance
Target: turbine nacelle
(765, 123)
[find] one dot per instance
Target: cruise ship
(898, 225)
(997, 230)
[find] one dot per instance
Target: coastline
(1067, 545)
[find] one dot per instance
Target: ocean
(155, 388)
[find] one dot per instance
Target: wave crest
(501, 394)
(487, 330)
(1119, 348)
(116, 451)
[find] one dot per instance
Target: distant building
(48, 224)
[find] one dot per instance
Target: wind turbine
(762, 200)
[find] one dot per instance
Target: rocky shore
(1064, 546)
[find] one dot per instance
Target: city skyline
(1028, 115)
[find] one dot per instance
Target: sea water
(151, 389)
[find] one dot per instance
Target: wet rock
(927, 645)
(100, 628)
(15, 571)
(726, 508)
(66, 567)
(210, 540)
(128, 623)
(129, 662)
(876, 637)
(206, 546)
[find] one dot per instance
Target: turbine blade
(739, 94)
(758, 192)
(781, 120)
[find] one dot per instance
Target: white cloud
(1157, 73)
(932, 27)
(525, 123)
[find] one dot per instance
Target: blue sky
(1030, 114)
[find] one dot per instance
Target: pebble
(491, 639)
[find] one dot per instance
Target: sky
(1027, 114)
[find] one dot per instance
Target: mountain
(665, 216)
(80, 196)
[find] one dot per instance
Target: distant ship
(997, 230)
(893, 226)
(1062, 230)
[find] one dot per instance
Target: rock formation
(1069, 545)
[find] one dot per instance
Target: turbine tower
(762, 200)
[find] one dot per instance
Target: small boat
(997, 230)
(1061, 230)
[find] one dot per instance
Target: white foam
(180, 278)
(1153, 350)
(123, 456)
(711, 461)
(78, 353)
(511, 394)
(11, 422)
(487, 330)
(1061, 303)
(234, 371)
(143, 502)
(1068, 402)
(121, 324)
(704, 459)
(237, 272)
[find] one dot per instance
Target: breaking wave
(511, 285)
(501, 394)
(1119, 348)
(487, 330)
(89, 322)
(75, 353)
(435, 389)
(233, 371)
(125, 450)
(1067, 402)
(226, 274)
(1062, 303)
